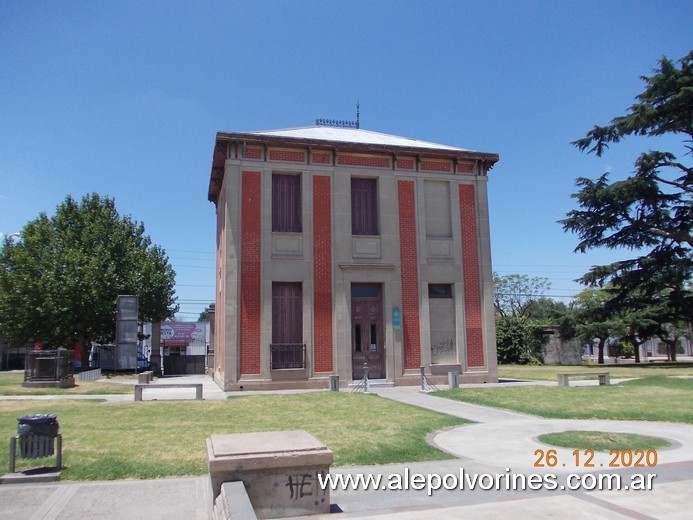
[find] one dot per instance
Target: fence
(90, 375)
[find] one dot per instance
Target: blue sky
(124, 98)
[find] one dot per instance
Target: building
(341, 249)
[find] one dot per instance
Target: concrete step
(373, 383)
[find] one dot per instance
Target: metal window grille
(287, 355)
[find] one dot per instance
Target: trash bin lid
(38, 418)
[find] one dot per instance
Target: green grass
(11, 384)
(603, 441)
(167, 438)
(548, 372)
(655, 398)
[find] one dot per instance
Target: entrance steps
(373, 383)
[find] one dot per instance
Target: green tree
(60, 282)
(639, 326)
(547, 310)
(204, 315)
(515, 294)
(592, 319)
(519, 340)
(650, 211)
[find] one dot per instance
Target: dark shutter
(287, 313)
(364, 206)
(286, 203)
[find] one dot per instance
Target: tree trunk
(85, 347)
(600, 359)
(672, 349)
(636, 350)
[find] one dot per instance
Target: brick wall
(250, 273)
(287, 155)
(405, 164)
(465, 168)
(321, 158)
(409, 273)
(435, 166)
(471, 277)
(252, 153)
(371, 161)
(322, 274)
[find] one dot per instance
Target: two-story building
(340, 249)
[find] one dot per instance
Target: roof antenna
(358, 114)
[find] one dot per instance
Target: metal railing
(287, 355)
(48, 365)
(90, 375)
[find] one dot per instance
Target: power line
(191, 251)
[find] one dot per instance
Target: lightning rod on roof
(339, 123)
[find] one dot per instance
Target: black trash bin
(37, 433)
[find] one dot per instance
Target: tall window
(364, 206)
(442, 322)
(286, 202)
(287, 312)
(287, 349)
(437, 204)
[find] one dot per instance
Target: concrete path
(210, 391)
(508, 438)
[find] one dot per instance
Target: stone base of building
(410, 378)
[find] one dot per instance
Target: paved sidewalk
(161, 499)
(210, 391)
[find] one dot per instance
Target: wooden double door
(367, 337)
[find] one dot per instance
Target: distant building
(340, 249)
(183, 346)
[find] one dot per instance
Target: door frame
(376, 359)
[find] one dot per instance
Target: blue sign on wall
(396, 318)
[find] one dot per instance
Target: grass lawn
(655, 398)
(548, 372)
(153, 439)
(11, 384)
(603, 441)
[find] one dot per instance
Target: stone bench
(196, 386)
(563, 379)
(144, 378)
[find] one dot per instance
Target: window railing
(287, 355)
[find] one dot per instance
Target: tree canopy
(649, 212)
(59, 282)
(515, 294)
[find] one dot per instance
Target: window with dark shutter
(286, 203)
(364, 206)
(287, 349)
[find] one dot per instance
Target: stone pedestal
(278, 469)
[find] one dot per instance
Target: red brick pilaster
(322, 274)
(251, 263)
(471, 277)
(410, 274)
